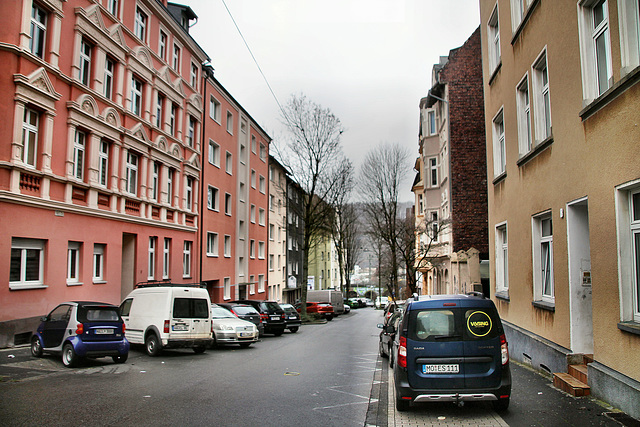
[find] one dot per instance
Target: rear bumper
(100, 348)
(198, 342)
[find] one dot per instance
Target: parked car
(291, 317)
(271, 313)
(451, 348)
(81, 329)
(324, 309)
(245, 312)
(381, 302)
(357, 302)
(229, 329)
(368, 302)
(163, 315)
(389, 328)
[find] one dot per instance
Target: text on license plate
(440, 369)
(292, 317)
(246, 334)
(102, 331)
(180, 328)
(275, 317)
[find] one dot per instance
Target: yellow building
(562, 115)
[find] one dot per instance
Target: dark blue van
(451, 348)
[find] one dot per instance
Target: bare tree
(381, 176)
(315, 160)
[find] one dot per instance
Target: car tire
(152, 345)
(199, 349)
(36, 348)
(245, 345)
(500, 405)
(294, 329)
(329, 318)
(120, 359)
(69, 356)
(402, 405)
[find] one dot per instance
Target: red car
(324, 309)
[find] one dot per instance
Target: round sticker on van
(479, 323)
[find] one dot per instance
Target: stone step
(579, 372)
(570, 384)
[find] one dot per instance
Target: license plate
(103, 331)
(440, 369)
(245, 334)
(292, 317)
(275, 317)
(180, 328)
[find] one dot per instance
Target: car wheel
(199, 349)
(329, 318)
(152, 345)
(294, 329)
(382, 352)
(402, 405)
(36, 348)
(245, 344)
(120, 359)
(69, 356)
(500, 405)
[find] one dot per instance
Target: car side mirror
(44, 318)
(380, 326)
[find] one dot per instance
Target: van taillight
(80, 329)
(166, 326)
(504, 349)
(402, 353)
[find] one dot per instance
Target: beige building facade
(562, 104)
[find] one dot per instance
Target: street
(324, 375)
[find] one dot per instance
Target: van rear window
(191, 308)
(453, 324)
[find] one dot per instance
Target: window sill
(99, 282)
(631, 327)
(537, 149)
(499, 178)
(503, 295)
(544, 305)
(612, 93)
(25, 286)
(494, 73)
(74, 283)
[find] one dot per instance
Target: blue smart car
(451, 348)
(81, 329)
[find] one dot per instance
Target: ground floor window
(27, 263)
(186, 260)
(73, 263)
(628, 218)
(227, 288)
(542, 234)
(502, 259)
(98, 262)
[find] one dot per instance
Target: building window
(112, 7)
(252, 214)
(433, 226)
(176, 58)
(186, 260)
(241, 232)
(78, 155)
(433, 172)
(518, 9)
(230, 122)
(103, 162)
(431, 121)
(253, 179)
(214, 109)
(152, 258)
(227, 288)
(227, 204)
(191, 131)
(38, 30)
(524, 116)
(502, 259)
(214, 153)
(136, 96)
(166, 258)
(140, 26)
(227, 246)
(155, 172)
(98, 262)
(271, 261)
(85, 62)
(262, 184)
(170, 186)
(627, 205)
(212, 198)
(30, 127)
(629, 20)
(260, 282)
(109, 67)
(252, 249)
(261, 216)
(194, 76)
(493, 32)
(132, 173)
(260, 250)
(172, 120)
(159, 110)
(272, 228)
(263, 152)
(254, 143)
(229, 163)
(542, 102)
(212, 244)
(189, 193)
(27, 263)
(162, 46)
(499, 149)
(73, 263)
(543, 258)
(595, 46)
(252, 284)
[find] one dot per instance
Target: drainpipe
(206, 69)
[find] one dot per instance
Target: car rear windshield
(192, 308)
(454, 324)
(270, 307)
(244, 310)
(97, 314)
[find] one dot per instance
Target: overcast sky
(368, 61)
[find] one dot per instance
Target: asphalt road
(319, 376)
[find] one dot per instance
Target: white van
(162, 315)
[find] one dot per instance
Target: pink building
(99, 152)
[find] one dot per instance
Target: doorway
(128, 273)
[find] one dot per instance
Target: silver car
(228, 329)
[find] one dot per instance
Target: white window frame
(433, 169)
(173, 120)
(112, 7)
(214, 109)
(518, 10)
(523, 105)
(227, 288)
(544, 288)
(103, 163)
(263, 152)
(214, 153)
(166, 258)
(493, 33)
(260, 283)
(177, 57)
(431, 123)
(140, 24)
(160, 99)
(499, 144)
(629, 23)
(79, 143)
(186, 259)
(592, 67)
(193, 76)
(109, 69)
(189, 193)
(38, 30)
(170, 175)
(628, 230)
(262, 185)
(502, 258)
(191, 130)
(253, 179)
(73, 263)
(261, 216)
(213, 202)
(261, 252)
(212, 244)
(230, 122)
(98, 262)
(227, 246)
(131, 184)
(84, 74)
(30, 132)
(155, 178)
(24, 246)
(228, 206)
(229, 163)
(252, 214)
(136, 96)
(151, 264)
(541, 97)
(163, 43)
(252, 249)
